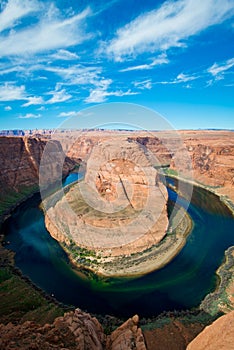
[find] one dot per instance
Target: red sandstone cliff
(20, 161)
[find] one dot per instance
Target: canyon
(212, 156)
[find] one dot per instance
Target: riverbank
(222, 299)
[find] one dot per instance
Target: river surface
(182, 284)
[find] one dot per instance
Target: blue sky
(60, 57)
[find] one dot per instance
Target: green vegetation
(168, 171)
(9, 200)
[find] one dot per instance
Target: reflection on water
(181, 284)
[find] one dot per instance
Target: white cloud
(161, 59)
(168, 26)
(8, 108)
(181, 78)
(145, 84)
(58, 96)
(33, 101)
(64, 55)
(218, 69)
(42, 108)
(51, 32)
(10, 70)
(11, 92)
(30, 116)
(14, 10)
(77, 74)
(100, 95)
(68, 114)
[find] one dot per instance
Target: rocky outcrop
(20, 161)
(218, 336)
(74, 331)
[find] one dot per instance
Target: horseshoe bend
(114, 221)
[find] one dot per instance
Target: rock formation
(119, 209)
(218, 336)
(127, 336)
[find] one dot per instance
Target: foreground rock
(75, 331)
(218, 336)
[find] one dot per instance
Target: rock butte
(119, 209)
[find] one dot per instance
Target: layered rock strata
(20, 162)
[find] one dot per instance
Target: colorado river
(182, 284)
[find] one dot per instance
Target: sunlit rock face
(121, 206)
(219, 335)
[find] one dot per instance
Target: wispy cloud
(33, 101)
(217, 69)
(30, 116)
(58, 96)
(51, 32)
(7, 108)
(42, 108)
(142, 85)
(11, 92)
(15, 10)
(161, 59)
(98, 95)
(68, 114)
(181, 78)
(65, 55)
(168, 26)
(77, 74)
